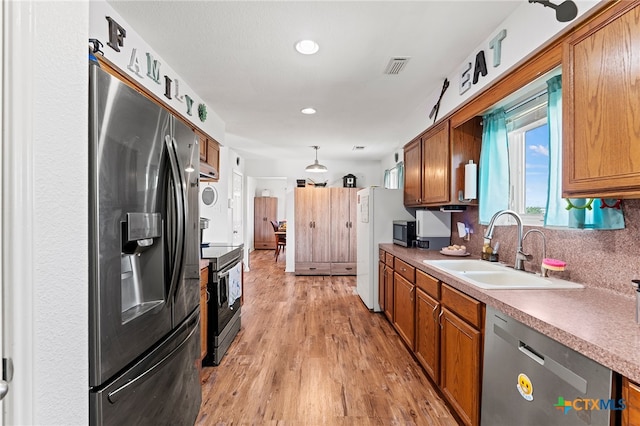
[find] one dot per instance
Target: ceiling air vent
(358, 148)
(396, 65)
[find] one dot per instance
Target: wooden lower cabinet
(204, 298)
(381, 284)
(443, 327)
(404, 308)
(388, 293)
(631, 396)
(428, 334)
(461, 366)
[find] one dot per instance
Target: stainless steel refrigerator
(144, 251)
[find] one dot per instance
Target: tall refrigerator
(377, 209)
(144, 315)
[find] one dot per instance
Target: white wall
(528, 28)
(46, 197)
(277, 187)
(99, 28)
(220, 225)
(368, 173)
(51, 381)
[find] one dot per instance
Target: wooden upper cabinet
(434, 163)
(203, 150)
(601, 104)
(413, 173)
(209, 158)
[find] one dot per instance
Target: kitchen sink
(497, 276)
(465, 265)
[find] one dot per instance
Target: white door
(237, 222)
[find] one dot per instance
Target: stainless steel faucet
(520, 255)
(543, 271)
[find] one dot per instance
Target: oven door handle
(223, 274)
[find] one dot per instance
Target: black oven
(223, 305)
(219, 287)
(404, 232)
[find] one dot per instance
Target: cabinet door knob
(435, 308)
(440, 319)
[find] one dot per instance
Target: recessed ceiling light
(308, 111)
(307, 47)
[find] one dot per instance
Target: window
(528, 145)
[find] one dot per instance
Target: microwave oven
(404, 232)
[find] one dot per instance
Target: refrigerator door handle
(123, 390)
(181, 210)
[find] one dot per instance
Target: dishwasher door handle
(528, 351)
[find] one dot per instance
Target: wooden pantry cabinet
(434, 163)
(325, 228)
(313, 231)
(344, 204)
(265, 209)
(601, 100)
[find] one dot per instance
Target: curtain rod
(526, 101)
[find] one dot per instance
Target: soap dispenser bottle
(487, 251)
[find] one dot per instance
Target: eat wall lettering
(479, 67)
(117, 35)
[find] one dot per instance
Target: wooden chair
(281, 239)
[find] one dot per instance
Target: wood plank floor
(310, 353)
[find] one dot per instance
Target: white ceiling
(239, 57)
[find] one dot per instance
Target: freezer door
(187, 294)
(129, 309)
(163, 388)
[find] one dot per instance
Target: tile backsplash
(604, 259)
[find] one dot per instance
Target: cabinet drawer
(381, 255)
(430, 285)
(404, 269)
(311, 268)
(264, 245)
(388, 259)
(343, 268)
(462, 305)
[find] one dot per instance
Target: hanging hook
(616, 204)
(587, 205)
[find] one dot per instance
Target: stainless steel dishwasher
(530, 379)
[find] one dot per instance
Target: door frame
(17, 196)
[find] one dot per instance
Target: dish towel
(235, 283)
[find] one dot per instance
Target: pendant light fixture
(316, 167)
